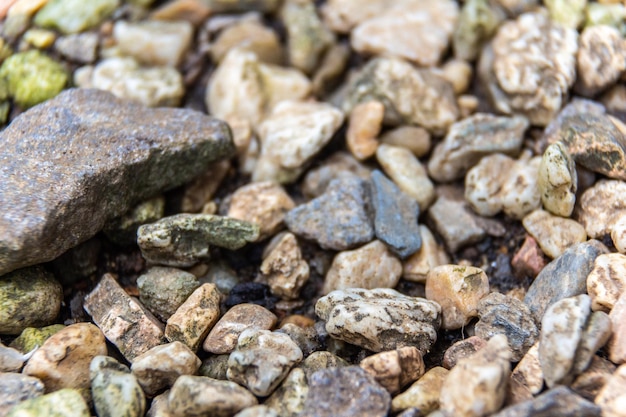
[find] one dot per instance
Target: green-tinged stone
(141, 3)
(162, 290)
(569, 13)
(29, 297)
(115, 389)
(123, 230)
(73, 16)
(39, 38)
(62, 403)
(606, 14)
(477, 23)
(215, 366)
(33, 77)
(30, 338)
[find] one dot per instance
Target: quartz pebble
(370, 266)
(606, 281)
(288, 399)
(414, 138)
(455, 223)
(380, 319)
(365, 124)
(617, 344)
(457, 289)
(15, 388)
(158, 368)
(162, 290)
(417, 266)
(462, 349)
(394, 369)
(554, 234)
(423, 394)
(602, 206)
(224, 335)
(115, 390)
(62, 403)
(557, 180)
(557, 402)
(612, 395)
(283, 267)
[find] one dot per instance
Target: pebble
(566, 276)
(193, 320)
(411, 96)
(292, 134)
(557, 180)
(15, 388)
(224, 335)
(74, 16)
(115, 389)
(215, 366)
(459, 73)
(342, 15)
(596, 333)
(617, 344)
(370, 266)
(154, 42)
(455, 223)
(500, 183)
(416, 31)
(509, 70)
(458, 290)
(477, 23)
(462, 349)
(474, 386)
(338, 219)
(363, 129)
(343, 392)
(288, 399)
(528, 373)
(159, 406)
(261, 203)
(471, 139)
(122, 319)
(262, 360)
(407, 172)
(529, 260)
(576, 106)
(414, 138)
(501, 314)
(283, 267)
(605, 14)
(340, 164)
(331, 68)
(618, 234)
(182, 240)
(81, 48)
(602, 206)
(606, 281)
(600, 60)
(321, 360)
(422, 394)
(554, 234)
(201, 396)
(380, 319)
(589, 383)
(557, 402)
(62, 403)
(29, 297)
(569, 14)
(612, 396)
(417, 266)
(258, 411)
(122, 230)
(252, 36)
(158, 368)
(162, 290)
(394, 369)
(43, 232)
(12, 360)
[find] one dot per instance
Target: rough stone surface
(32, 338)
(557, 402)
(554, 234)
(528, 373)
(122, 230)
(416, 139)
(250, 35)
(617, 344)
(62, 403)
(215, 366)
(462, 349)
(612, 396)
(478, 21)
(15, 388)
(423, 394)
(136, 149)
(340, 164)
(81, 48)
(115, 390)
(606, 281)
(288, 399)
(11, 360)
(602, 206)
(380, 319)
(162, 290)
(417, 266)
(589, 383)
(122, 319)
(557, 180)
(395, 369)
(455, 223)
(283, 267)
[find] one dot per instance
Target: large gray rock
(70, 164)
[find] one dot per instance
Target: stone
(380, 319)
(158, 368)
(224, 335)
(252, 36)
(500, 183)
(528, 372)
(262, 360)
(606, 281)
(32, 338)
(474, 386)
(154, 42)
(181, 143)
(394, 369)
(62, 403)
(576, 107)
(340, 164)
(564, 277)
(617, 344)
(115, 389)
(321, 360)
(458, 290)
(343, 15)
(418, 31)
(292, 134)
(454, 223)
(423, 394)
(568, 13)
(554, 234)
(501, 314)
(414, 138)
(81, 48)
(557, 402)
(193, 320)
(122, 319)
(370, 266)
(411, 96)
(597, 332)
(602, 206)
(29, 297)
(215, 366)
(363, 129)
(477, 23)
(599, 70)
(509, 70)
(16, 388)
(122, 230)
(589, 383)
(529, 260)
(159, 406)
(201, 396)
(12, 360)
(73, 16)
(557, 180)
(230, 6)
(605, 14)
(258, 411)
(264, 204)
(612, 395)
(618, 234)
(288, 399)
(471, 139)
(338, 219)
(417, 266)
(63, 360)
(162, 290)
(462, 349)
(307, 338)
(200, 191)
(283, 267)
(345, 391)
(407, 172)
(182, 240)
(331, 68)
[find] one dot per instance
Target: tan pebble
(417, 266)
(423, 394)
(331, 68)
(395, 369)
(297, 319)
(606, 281)
(618, 233)
(252, 36)
(617, 344)
(414, 138)
(365, 123)
(601, 206)
(612, 397)
(557, 180)
(528, 371)
(554, 234)
(461, 350)
(193, 11)
(589, 383)
(283, 267)
(467, 104)
(458, 73)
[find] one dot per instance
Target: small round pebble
(395, 369)
(114, 389)
(414, 138)
(365, 124)
(462, 349)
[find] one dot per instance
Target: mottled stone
(478, 22)
(462, 349)
(394, 369)
(215, 366)
(12, 360)
(321, 360)
(612, 396)
(568, 13)
(365, 125)
(557, 402)
(557, 180)
(80, 48)
(380, 319)
(338, 219)
(414, 138)
(528, 373)
(181, 143)
(158, 368)
(288, 399)
(258, 411)
(417, 266)
(423, 394)
(606, 281)
(162, 290)
(122, 230)
(343, 15)
(346, 391)
(73, 16)
(554, 234)
(224, 335)
(32, 338)
(15, 388)
(122, 319)
(115, 390)
(159, 406)
(283, 267)
(252, 36)
(596, 333)
(62, 403)
(455, 224)
(589, 383)
(307, 338)
(617, 344)
(195, 396)
(602, 206)
(339, 165)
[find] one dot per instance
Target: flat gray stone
(72, 163)
(558, 402)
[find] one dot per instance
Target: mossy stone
(62, 403)
(74, 16)
(123, 230)
(31, 337)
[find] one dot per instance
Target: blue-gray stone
(557, 402)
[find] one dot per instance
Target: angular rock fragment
(115, 390)
(283, 267)
(606, 281)
(554, 234)
(423, 394)
(16, 388)
(557, 180)
(394, 369)
(454, 222)
(417, 266)
(602, 206)
(557, 402)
